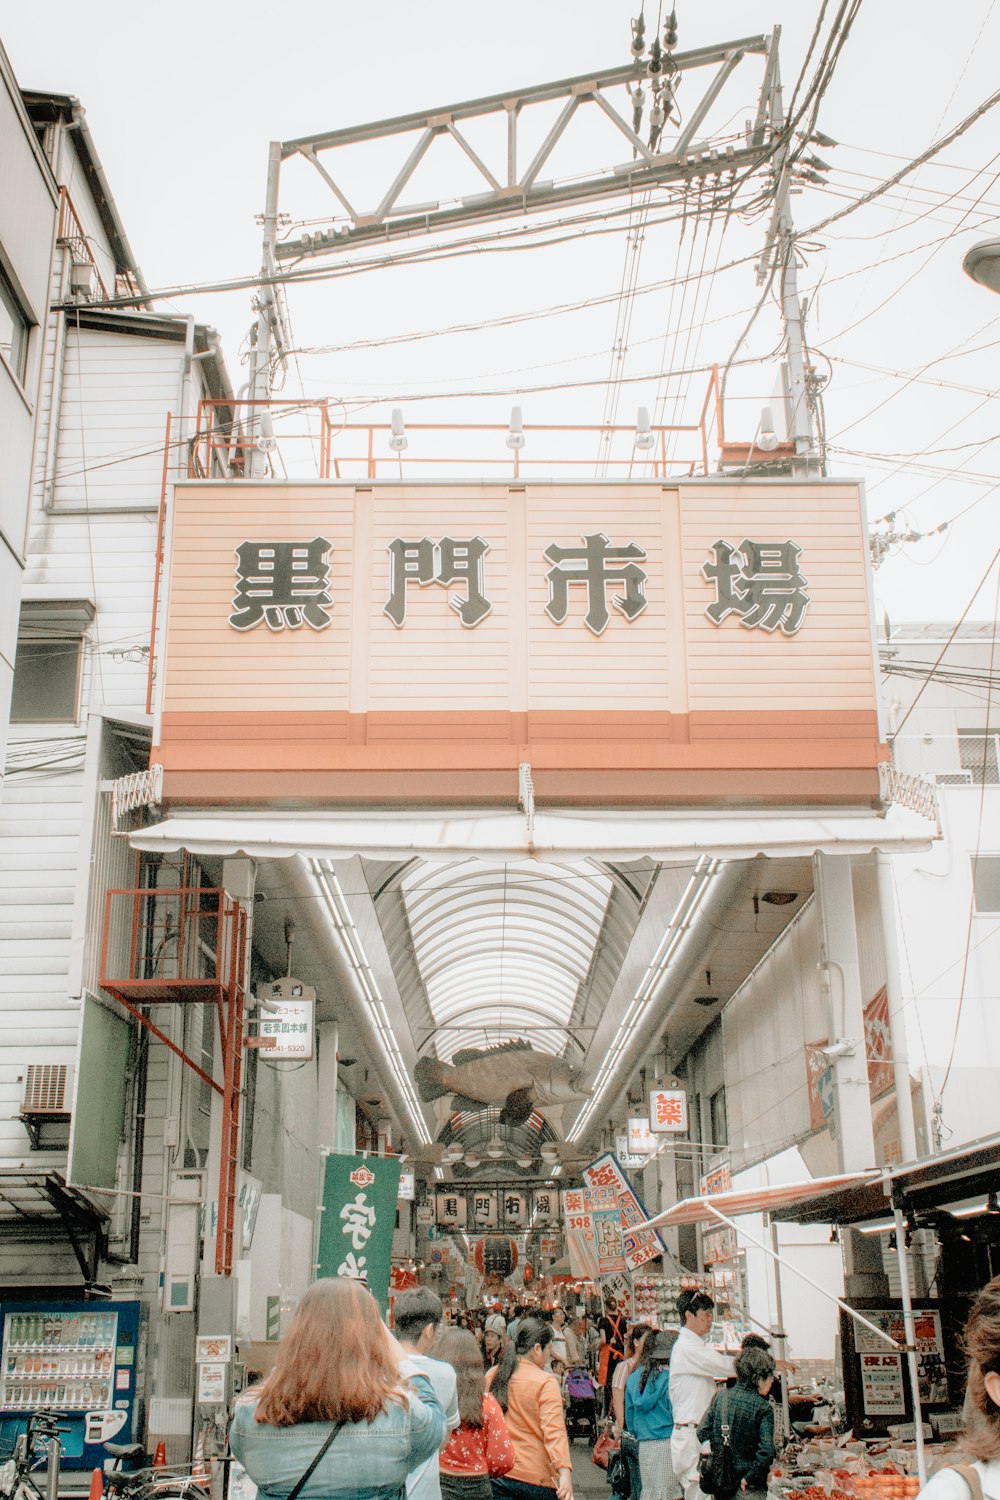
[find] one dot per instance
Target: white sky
(182, 102)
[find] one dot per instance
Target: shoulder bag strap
(971, 1477)
(723, 1418)
(300, 1483)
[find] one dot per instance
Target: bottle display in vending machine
(81, 1359)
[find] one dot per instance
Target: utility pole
(778, 260)
(259, 385)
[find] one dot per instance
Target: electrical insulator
(638, 36)
(670, 31)
(655, 58)
(638, 105)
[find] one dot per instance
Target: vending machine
(83, 1360)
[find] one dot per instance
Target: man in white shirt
(417, 1316)
(695, 1368)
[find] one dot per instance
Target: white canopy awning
(554, 835)
(756, 1200)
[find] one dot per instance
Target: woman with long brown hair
(479, 1449)
(981, 1414)
(532, 1403)
(335, 1416)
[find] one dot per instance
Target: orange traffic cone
(160, 1456)
(96, 1485)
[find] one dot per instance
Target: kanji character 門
(594, 566)
(282, 583)
(760, 582)
(448, 561)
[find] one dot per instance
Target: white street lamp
(982, 264)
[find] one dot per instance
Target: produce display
(845, 1471)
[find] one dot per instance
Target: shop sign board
(819, 1081)
(641, 1140)
(605, 1175)
(931, 1372)
(353, 638)
(287, 1010)
(668, 1111)
(425, 1214)
(578, 1226)
(608, 1239)
(407, 1186)
(882, 1390)
(718, 1180)
(358, 1220)
(631, 1160)
(878, 1044)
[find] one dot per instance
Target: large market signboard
(695, 643)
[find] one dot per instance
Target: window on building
(986, 883)
(46, 681)
(719, 1119)
(47, 667)
(978, 753)
(14, 326)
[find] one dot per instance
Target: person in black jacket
(750, 1418)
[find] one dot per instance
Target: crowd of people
(474, 1409)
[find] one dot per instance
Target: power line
(911, 166)
(941, 654)
(975, 864)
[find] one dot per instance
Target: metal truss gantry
(672, 154)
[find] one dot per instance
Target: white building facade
(29, 207)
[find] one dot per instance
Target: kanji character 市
(594, 566)
(760, 582)
(360, 1218)
(282, 583)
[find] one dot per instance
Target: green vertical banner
(360, 1194)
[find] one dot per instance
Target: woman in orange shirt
(531, 1400)
(480, 1448)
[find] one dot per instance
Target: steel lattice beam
(510, 189)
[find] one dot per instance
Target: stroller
(581, 1404)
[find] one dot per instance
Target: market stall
(901, 1360)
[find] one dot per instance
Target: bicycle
(147, 1483)
(38, 1447)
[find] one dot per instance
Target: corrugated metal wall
(116, 393)
(764, 1025)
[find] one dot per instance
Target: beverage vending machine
(83, 1360)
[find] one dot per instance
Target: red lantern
(495, 1256)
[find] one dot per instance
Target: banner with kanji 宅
(358, 1220)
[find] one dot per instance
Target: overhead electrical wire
(939, 1092)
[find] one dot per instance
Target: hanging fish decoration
(512, 1075)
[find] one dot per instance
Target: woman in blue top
(337, 1393)
(649, 1416)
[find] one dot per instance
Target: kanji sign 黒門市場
(632, 642)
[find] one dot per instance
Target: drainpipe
(58, 374)
(897, 1019)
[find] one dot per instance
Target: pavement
(589, 1482)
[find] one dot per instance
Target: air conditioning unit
(46, 1100)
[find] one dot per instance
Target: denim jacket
(368, 1461)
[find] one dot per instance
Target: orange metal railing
(230, 434)
(187, 945)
